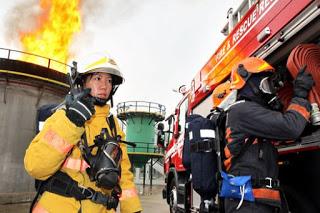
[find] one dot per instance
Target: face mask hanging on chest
(104, 167)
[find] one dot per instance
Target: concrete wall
(18, 107)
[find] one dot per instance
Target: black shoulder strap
(85, 148)
(219, 120)
(112, 126)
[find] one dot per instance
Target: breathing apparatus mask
(269, 86)
(261, 90)
(105, 163)
(104, 157)
(262, 87)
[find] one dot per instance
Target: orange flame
(58, 22)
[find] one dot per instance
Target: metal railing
(34, 58)
(146, 147)
(141, 106)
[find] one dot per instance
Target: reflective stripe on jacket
(55, 148)
(250, 119)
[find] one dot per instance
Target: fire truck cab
(269, 29)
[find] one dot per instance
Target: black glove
(109, 201)
(80, 107)
(302, 84)
(112, 202)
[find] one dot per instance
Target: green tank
(140, 119)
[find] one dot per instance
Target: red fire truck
(269, 29)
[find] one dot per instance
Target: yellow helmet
(101, 62)
(243, 70)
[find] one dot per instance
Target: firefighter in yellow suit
(56, 147)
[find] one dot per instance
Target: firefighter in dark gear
(252, 124)
(55, 155)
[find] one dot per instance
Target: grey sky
(158, 44)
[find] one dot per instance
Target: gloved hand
(112, 203)
(302, 84)
(113, 200)
(80, 107)
(109, 201)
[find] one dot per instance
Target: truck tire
(173, 196)
(297, 202)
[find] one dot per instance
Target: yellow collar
(102, 110)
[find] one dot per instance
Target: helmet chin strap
(103, 101)
(100, 101)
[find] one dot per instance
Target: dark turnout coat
(248, 119)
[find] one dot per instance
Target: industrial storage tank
(23, 88)
(140, 119)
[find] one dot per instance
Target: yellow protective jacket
(48, 152)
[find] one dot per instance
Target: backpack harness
(201, 148)
(62, 184)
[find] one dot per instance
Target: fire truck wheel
(297, 202)
(173, 196)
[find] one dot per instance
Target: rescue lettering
(244, 26)
(249, 20)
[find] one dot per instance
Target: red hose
(307, 54)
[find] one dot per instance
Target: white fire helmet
(101, 62)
